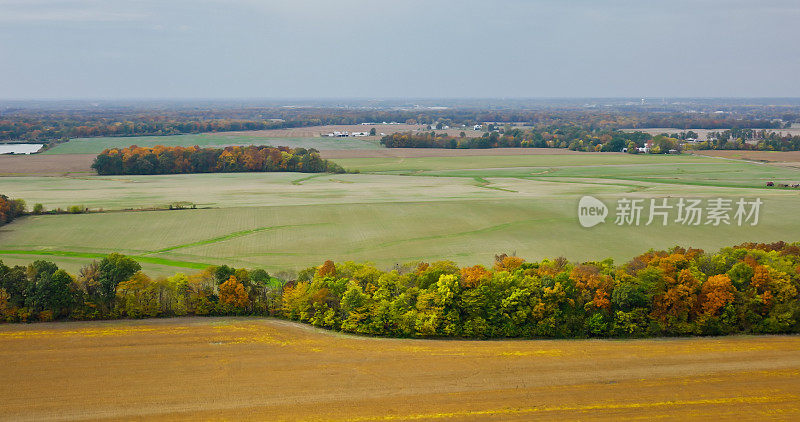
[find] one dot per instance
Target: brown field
(266, 369)
(440, 152)
(45, 164)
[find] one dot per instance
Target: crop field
(13, 165)
(398, 210)
(315, 131)
(265, 369)
(779, 157)
(305, 137)
(222, 139)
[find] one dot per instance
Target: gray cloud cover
(390, 48)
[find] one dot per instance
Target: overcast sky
(398, 48)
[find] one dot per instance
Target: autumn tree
(716, 293)
(233, 294)
(473, 276)
(327, 269)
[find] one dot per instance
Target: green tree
(51, 289)
(114, 269)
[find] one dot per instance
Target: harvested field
(45, 164)
(305, 137)
(441, 152)
(765, 156)
(207, 140)
(314, 131)
(265, 369)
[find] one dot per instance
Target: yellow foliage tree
(473, 276)
(508, 263)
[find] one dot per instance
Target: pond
(20, 148)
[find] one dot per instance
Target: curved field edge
(139, 258)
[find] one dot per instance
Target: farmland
(264, 369)
(305, 137)
(401, 208)
(97, 145)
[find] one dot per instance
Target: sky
(185, 49)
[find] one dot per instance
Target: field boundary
(140, 258)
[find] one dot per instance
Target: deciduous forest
(579, 138)
(749, 288)
(573, 137)
(171, 160)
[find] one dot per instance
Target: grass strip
(483, 183)
(230, 236)
(139, 258)
(303, 179)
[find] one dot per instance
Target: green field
(465, 209)
(670, 169)
(97, 145)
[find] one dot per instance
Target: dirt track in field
(263, 369)
(45, 164)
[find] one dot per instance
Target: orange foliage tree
(232, 293)
(715, 294)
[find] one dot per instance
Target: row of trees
(572, 137)
(171, 160)
(114, 287)
(749, 139)
(10, 209)
(579, 138)
(750, 288)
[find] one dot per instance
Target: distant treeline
(749, 139)
(579, 138)
(573, 137)
(750, 288)
(171, 160)
(45, 124)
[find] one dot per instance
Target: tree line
(749, 288)
(553, 136)
(172, 160)
(579, 138)
(749, 139)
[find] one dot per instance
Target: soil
(267, 369)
